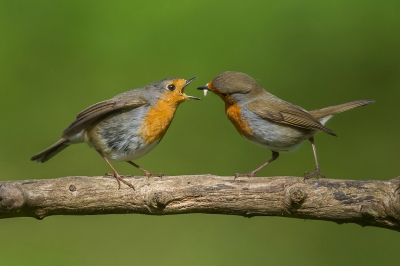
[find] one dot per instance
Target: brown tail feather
(48, 153)
(332, 110)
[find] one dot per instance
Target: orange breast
(234, 113)
(157, 120)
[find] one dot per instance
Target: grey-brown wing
(285, 113)
(94, 112)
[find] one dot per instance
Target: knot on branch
(11, 198)
(396, 196)
(160, 200)
(295, 196)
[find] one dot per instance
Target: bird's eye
(171, 87)
(224, 94)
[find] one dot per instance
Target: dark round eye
(171, 87)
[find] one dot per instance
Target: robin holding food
(268, 121)
(127, 126)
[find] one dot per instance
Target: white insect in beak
(205, 90)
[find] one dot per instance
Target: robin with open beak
(127, 126)
(268, 121)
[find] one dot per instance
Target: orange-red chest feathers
(234, 113)
(157, 120)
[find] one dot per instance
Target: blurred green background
(58, 57)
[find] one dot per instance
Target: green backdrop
(58, 57)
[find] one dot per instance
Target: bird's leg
(146, 173)
(317, 171)
(116, 175)
(275, 156)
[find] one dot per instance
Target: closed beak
(204, 88)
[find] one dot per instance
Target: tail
(48, 153)
(324, 114)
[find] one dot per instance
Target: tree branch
(365, 202)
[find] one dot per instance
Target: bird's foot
(249, 175)
(119, 180)
(148, 175)
(154, 175)
(317, 174)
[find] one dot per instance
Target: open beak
(187, 83)
(204, 88)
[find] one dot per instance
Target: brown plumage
(268, 121)
(125, 127)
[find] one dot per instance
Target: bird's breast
(234, 113)
(157, 121)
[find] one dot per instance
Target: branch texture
(365, 202)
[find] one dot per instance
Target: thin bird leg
(317, 171)
(146, 173)
(275, 156)
(116, 175)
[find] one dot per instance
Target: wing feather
(285, 113)
(96, 111)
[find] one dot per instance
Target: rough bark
(364, 202)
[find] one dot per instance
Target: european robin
(127, 126)
(268, 121)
